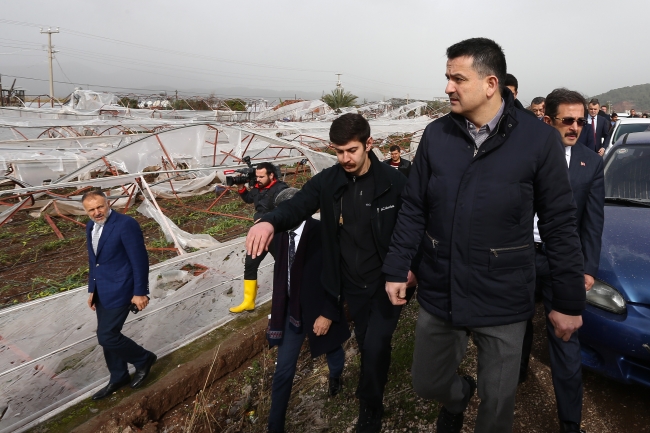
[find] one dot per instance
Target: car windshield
(630, 128)
(627, 173)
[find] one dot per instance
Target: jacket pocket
(434, 245)
(510, 257)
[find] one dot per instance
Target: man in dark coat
(588, 185)
(479, 176)
(301, 308)
(599, 125)
(358, 199)
(118, 277)
(262, 195)
(396, 161)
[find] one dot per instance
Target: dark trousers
(118, 349)
(375, 321)
(566, 369)
(251, 265)
(285, 370)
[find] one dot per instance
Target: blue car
(615, 337)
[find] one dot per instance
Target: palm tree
(339, 98)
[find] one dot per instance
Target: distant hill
(637, 97)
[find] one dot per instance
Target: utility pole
(50, 52)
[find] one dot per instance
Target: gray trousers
(439, 350)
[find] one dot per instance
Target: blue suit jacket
(588, 185)
(120, 270)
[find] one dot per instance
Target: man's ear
(492, 85)
(547, 120)
(369, 144)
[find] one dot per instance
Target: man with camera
(262, 194)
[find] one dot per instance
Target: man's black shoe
(335, 386)
(570, 427)
(450, 422)
(110, 389)
(141, 374)
(369, 418)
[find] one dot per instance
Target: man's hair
(594, 101)
(511, 80)
(270, 168)
(349, 127)
(614, 114)
(487, 57)
(92, 193)
(562, 96)
(538, 100)
(394, 148)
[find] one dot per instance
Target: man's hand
(601, 151)
(322, 325)
(589, 282)
(140, 302)
(411, 280)
(396, 292)
(564, 325)
(259, 238)
(90, 301)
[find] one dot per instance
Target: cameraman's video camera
(247, 175)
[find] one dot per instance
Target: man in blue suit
(118, 280)
(564, 109)
(597, 131)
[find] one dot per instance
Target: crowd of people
(500, 205)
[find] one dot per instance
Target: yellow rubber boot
(250, 293)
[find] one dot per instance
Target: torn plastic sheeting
(184, 188)
(185, 239)
(185, 143)
(91, 100)
(296, 111)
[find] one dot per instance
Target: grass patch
(223, 226)
(72, 281)
(56, 244)
(38, 227)
(161, 242)
(230, 207)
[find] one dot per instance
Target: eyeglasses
(568, 121)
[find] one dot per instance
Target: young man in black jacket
(358, 200)
(479, 176)
(263, 195)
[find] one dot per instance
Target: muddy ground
(240, 400)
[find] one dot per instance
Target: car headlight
(606, 297)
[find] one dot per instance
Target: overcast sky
(386, 48)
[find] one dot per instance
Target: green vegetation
(56, 244)
(235, 104)
(39, 227)
(223, 225)
(128, 102)
(637, 97)
(339, 98)
(72, 281)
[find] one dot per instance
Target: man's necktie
(292, 255)
(96, 235)
(593, 126)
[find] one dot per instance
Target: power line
(202, 56)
